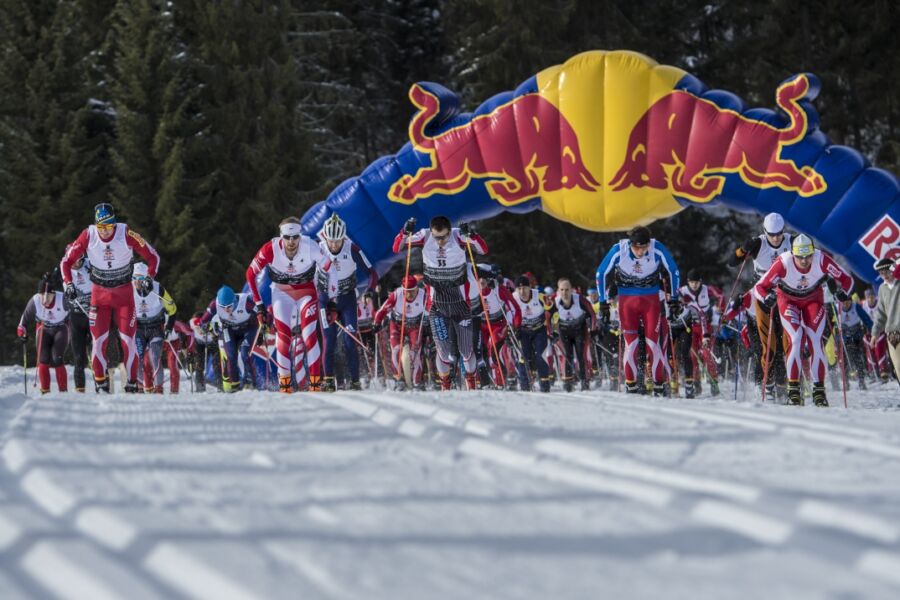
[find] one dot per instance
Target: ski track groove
(667, 488)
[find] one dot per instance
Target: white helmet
(333, 229)
(773, 224)
(140, 270)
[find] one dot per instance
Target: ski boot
(567, 384)
(446, 384)
(285, 384)
(484, 377)
(818, 395)
(315, 383)
(660, 390)
(585, 385)
(862, 382)
(688, 388)
(770, 391)
(511, 383)
(714, 388)
(159, 389)
(328, 384)
(632, 387)
(545, 384)
(793, 393)
(400, 385)
(471, 382)
(419, 387)
(885, 377)
(355, 386)
(101, 384)
(131, 387)
(698, 387)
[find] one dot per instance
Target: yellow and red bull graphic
(609, 140)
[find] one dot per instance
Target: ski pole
(180, 366)
(403, 290)
(731, 293)
(25, 365)
(39, 331)
(840, 329)
(484, 310)
(352, 337)
(767, 355)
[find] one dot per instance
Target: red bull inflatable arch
(609, 140)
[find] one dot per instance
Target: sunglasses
(106, 226)
(290, 238)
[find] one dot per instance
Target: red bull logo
(524, 148)
(687, 145)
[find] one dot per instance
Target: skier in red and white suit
(411, 299)
(877, 348)
(503, 312)
(110, 248)
(795, 282)
(292, 260)
(699, 297)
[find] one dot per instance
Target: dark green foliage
(207, 122)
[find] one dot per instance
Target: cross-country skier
(576, 322)
(532, 335)
(154, 311)
(236, 330)
(503, 314)
(699, 298)
(79, 326)
(855, 325)
(411, 298)
(877, 348)
(52, 333)
(291, 260)
(764, 251)
(337, 284)
(794, 283)
(110, 248)
(635, 267)
(202, 350)
(453, 292)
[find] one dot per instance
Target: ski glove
(410, 226)
(770, 300)
(71, 293)
(554, 337)
(841, 296)
(674, 306)
(22, 333)
(467, 229)
(260, 309)
(604, 312)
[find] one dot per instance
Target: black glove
(770, 300)
(841, 296)
(410, 226)
(554, 337)
(674, 306)
(260, 309)
(604, 312)
(467, 229)
(747, 246)
(71, 293)
(146, 285)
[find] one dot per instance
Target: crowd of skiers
(461, 323)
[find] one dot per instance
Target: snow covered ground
(425, 495)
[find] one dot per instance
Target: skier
(741, 311)
(79, 325)
(172, 349)
(794, 282)
(411, 298)
(337, 284)
(110, 248)
(634, 266)
(453, 292)
(764, 250)
(202, 348)
(576, 322)
(155, 314)
(503, 313)
(698, 298)
(855, 324)
(46, 308)
(877, 348)
(887, 315)
(235, 330)
(292, 260)
(365, 323)
(532, 335)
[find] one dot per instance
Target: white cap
(773, 223)
(290, 229)
(140, 270)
